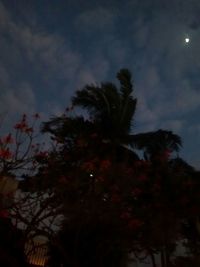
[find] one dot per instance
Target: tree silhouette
(111, 115)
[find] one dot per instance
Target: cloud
(173, 125)
(50, 53)
(85, 77)
(188, 99)
(49, 50)
(193, 129)
(4, 76)
(33, 64)
(18, 101)
(4, 17)
(97, 20)
(46, 63)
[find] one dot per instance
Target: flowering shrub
(18, 149)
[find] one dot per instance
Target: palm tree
(107, 131)
(156, 143)
(111, 113)
(113, 110)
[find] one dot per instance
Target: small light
(187, 40)
(91, 175)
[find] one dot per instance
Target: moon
(187, 40)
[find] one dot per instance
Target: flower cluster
(23, 125)
(5, 153)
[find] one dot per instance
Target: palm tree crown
(111, 112)
(111, 109)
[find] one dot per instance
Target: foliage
(18, 159)
(102, 178)
(18, 149)
(97, 201)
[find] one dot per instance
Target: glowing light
(91, 175)
(187, 40)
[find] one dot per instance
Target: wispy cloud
(20, 101)
(98, 20)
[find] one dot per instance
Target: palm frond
(60, 127)
(156, 141)
(113, 108)
(128, 102)
(126, 87)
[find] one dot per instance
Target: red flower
(89, 166)
(5, 153)
(134, 224)
(29, 130)
(165, 155)
(105, 164)
(42, 154)
(7, 139)
(21, 126)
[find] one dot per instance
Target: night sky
(51, 48)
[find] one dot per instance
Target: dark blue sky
(49, 49)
